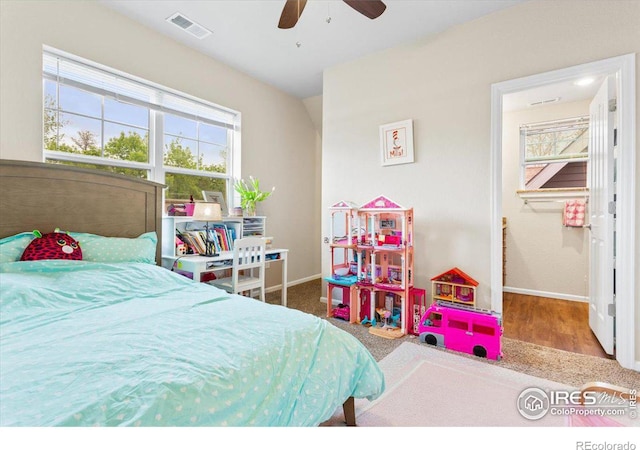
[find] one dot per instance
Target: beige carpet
(535, 360)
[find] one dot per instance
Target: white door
(601, 190)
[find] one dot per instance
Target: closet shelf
(559, 194)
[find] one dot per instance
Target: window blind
(123, 87)
(557, 140)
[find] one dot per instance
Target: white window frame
(569, 123)
(177, 103)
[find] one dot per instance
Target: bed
(120, 341)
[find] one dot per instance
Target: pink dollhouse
(385, 265)
(372, 267)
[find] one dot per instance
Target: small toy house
(454, 286)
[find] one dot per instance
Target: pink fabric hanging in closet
(574, 213)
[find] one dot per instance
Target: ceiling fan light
(292, 10)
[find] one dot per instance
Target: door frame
(624, 69)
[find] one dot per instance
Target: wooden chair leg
(349, 409)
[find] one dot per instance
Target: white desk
(197, 265)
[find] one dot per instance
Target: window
(554, 155)
(458, 324)
(99, 118)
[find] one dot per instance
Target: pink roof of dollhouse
(344, 205)
(460, 273)
(381, 202)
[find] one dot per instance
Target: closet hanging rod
(573, 120)
(551, 200)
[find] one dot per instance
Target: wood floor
(560, 324)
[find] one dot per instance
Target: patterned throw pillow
(12, 247)
(56, 245)
(103, 249)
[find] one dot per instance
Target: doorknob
(587, 226)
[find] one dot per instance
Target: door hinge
(611, 309)
(613, 105)
(612, 207)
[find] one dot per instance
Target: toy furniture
(349, 295)
(248, 268)
(364, 305)
(454, 286)
(462, 328)
(385, 262)
(342, 244)
(372, 267)
(417, 308)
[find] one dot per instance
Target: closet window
(554, 155)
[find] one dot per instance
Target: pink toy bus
(462, 328)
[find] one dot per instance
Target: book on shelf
(232, 235)
(216, 242)
(189, 238)
(196, 240)
(223, 236)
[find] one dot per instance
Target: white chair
(248, 268)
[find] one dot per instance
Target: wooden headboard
(42, 196)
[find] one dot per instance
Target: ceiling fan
(293, 9)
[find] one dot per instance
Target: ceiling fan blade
(369, 8)
(291, 13)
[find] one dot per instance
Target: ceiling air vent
(544, 102)
(189, 26)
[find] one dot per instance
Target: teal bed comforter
(84, 344)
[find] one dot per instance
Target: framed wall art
(216, 197)
(396, 142)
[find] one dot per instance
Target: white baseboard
(333, 301)
(278, 287)
(571, 297)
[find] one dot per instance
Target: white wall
(444, 84)
(279, 141)
(542, 255)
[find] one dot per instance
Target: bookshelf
(236, 227)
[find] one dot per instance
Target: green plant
(250, 193)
